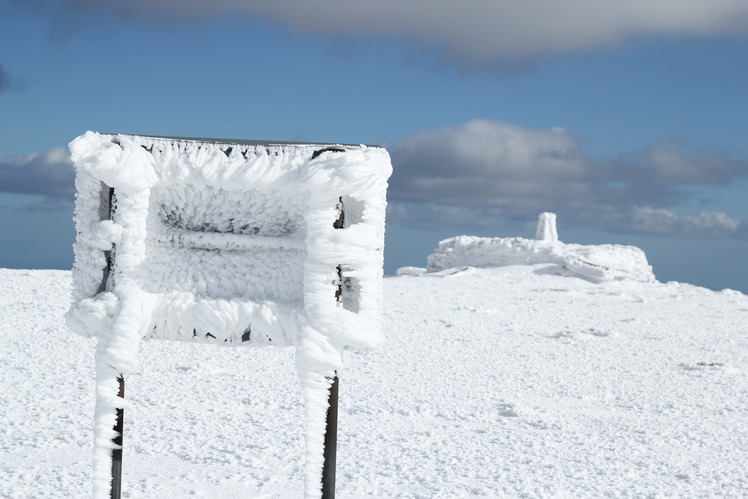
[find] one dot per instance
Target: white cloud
(490, 163)
(470, 30)
(672, 162)
(488, 174)
(707, 224)
(49, 173)
(485, 173)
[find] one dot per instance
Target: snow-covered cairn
(229, 242)
(597, 263)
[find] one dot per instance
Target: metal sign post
(331, 428)
(117, 440)
(109, 202)
(331, 443)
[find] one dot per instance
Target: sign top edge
(245, 142)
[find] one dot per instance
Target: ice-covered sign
(232, 242)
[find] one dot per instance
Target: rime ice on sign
(229, 242)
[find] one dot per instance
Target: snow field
(504, 382)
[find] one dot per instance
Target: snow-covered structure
(597, 263)
(546, 230)
(231, 242)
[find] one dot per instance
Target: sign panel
(228, 242)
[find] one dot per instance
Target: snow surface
(502, 382)
(228, 242)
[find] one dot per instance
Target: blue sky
(629, 120)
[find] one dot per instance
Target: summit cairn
(595, 263)
(546, 227)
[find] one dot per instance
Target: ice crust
(227, 243)
(596, 263)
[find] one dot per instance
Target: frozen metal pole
(331, 443)
(331, 425)
(117, 440)
(106, 212)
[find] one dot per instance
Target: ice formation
(231, 242)
(597, 263)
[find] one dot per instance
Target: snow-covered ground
(501, 382)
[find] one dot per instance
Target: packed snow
(229, 242)
(508, 381)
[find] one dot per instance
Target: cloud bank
(488, 173)
(491, 174)
(472, 31)
(48, 173)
